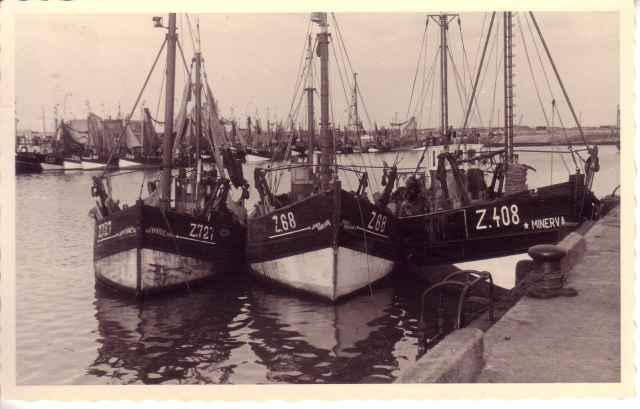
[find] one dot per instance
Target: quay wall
(460, 356)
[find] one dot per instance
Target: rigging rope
(346, 52)
(499, 59)
(548, 82)
(135, 105)
(465, 62)
(164, 74)
(428, 81)
(461, 94)
(535, 84)
(420, 58)
(193, 44)
(475, 59)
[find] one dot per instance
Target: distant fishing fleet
(464, 199)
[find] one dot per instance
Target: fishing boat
(188, 229)
(318, 237)
(35, 154)
(143, 144)
(100, 150)
(451, 214)
(69, 145)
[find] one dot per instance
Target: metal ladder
(466, 280)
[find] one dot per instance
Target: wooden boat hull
(141, 251)
(28, 162)
(136, 163)
(501, 227)
(329, 253)
(313, 271)
(48, 166)
(127, 163)
(71, 164)
(97, 164)
(251, 158)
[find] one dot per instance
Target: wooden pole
(167, 145)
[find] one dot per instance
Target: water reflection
(301, 340)
(238, 331)
(182, 339)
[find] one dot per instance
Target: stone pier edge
(459, 357)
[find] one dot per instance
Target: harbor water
(235, 330)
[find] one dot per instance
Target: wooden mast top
(167, 145)
(326, 144)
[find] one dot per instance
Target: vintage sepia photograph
(259, 198)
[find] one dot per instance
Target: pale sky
(252, 61)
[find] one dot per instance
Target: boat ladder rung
(465, 281)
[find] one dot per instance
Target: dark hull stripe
(506, 226)
(364, 228)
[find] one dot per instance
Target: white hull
(51, 166)
(92, 165)
(464, 146)
(71, 165)
(125, 163)
(255, 158)
(503, 269)
(316, 272)
(159, 270)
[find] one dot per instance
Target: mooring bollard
(547, 279)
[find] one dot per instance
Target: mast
(326, 157)
(198, 119)
(167, 145)
(444, 108)
(508, 87)
(443, 21)
(43, 122)
(355, 108)
(310, 108)
(249, 137)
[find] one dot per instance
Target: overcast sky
(252, 61)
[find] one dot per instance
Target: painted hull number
(496, 217)
(104, 230)
(201, 231)
(284, 222)
(377, 222)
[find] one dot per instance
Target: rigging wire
(465, 63)
(428, 81)
(342, 81)
(135, 105)
(462, 97)
(535, 84)
(346, 52)
(499, 58)
(274, 180)
(475, 59)
(420, 58)
(193, 43)
(550, 89)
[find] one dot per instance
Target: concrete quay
(563, 339)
